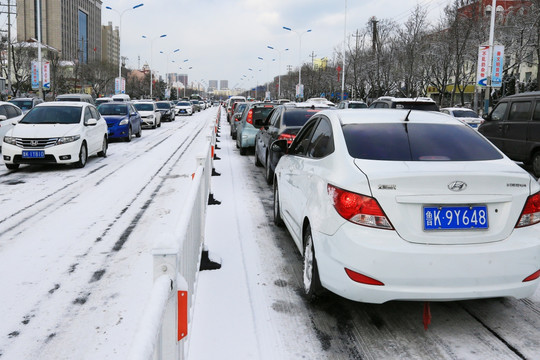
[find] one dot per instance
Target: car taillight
(359, 209)
(532, 277)
(249, 119)
(288, 137)
(531, 212)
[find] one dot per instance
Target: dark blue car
(122, 119)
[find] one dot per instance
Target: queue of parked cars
(401, 200)
(72, 128)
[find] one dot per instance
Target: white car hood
(403, 189)
(146, 113)
(44, 130)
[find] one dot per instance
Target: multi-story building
(71, 26)
(223, 84)
(110, 41)
(212, 85)
(183, 78)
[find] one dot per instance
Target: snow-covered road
(75, 269)
(75, 252)
(253, 307)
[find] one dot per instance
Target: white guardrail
(176, 261)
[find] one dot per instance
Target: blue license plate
(455, 217)
(33, 154)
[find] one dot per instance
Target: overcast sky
(224, 38)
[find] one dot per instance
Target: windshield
(112, 109)
(22, 104)
(144, 107)
(465, 114)
(357, 106)
(416, 105)
(53, 115)
(183, 104)
(163, 105)
(417, 142)
(196, 102)
(298, 117)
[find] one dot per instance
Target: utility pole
(375, 51)
(312, 56)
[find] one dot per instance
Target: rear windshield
(416, 105)
(69, 99)
(183, 103)
(53, 115)
(163, 105)
(112, 109)
(22, 104)
(417, 142)
(465, 114)
(357, 106)
(260, 113)
(298, 117)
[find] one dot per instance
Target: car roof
(367, 116)
(64, 103)
(456, 108)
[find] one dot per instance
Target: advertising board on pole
(483, 63)
(497, 68)
(35, 75)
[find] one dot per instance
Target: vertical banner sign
(119, 85)
(47, 75)
(497, 69)
(300, 91)
(481, 74)
(35, 75)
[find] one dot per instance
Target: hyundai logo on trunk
(457, 186)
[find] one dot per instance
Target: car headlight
(67, 139)
(10, 140)
(124, 122)
(151, 117)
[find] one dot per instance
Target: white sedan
(184, 108)
(56, 133)
(150, 115)
(407, 205)
(468, 116)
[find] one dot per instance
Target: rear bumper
(426, 272)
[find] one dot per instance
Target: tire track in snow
(83, 297)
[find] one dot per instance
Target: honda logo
(457, 186)
(34, 143)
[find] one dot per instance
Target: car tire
(83, 157)
(159, 124)
(154, 126)
(536, 164)
(12, 166)
(268, 173)
(104, 147)
(130, 134)
(258, 163)
(278, 221)
(311, 280)
(243, 151)
(139, 133)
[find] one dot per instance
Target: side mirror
(279, 147)
(486, 117)
(3, 117)
(91, 122)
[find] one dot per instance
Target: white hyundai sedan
(407, 205)
(56, 133)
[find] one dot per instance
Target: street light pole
(120, 14)
(299, 57)
(167, 65)
(151, 52)
(279, 70)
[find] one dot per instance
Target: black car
(166, 108)
(283, 122)
(514, 127)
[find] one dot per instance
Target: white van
(121, 97)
